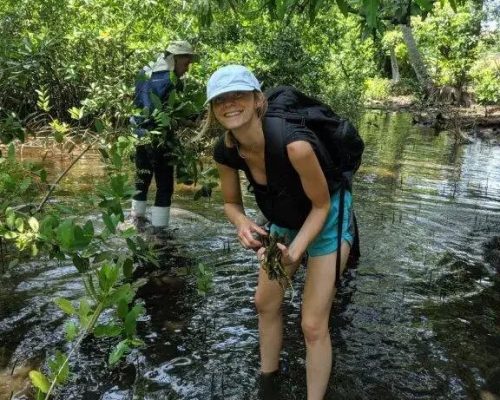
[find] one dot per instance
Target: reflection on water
(417, 319)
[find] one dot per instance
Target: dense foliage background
(84, 53)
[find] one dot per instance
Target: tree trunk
(394, 67)
(416, 60)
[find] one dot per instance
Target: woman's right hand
(246, 234)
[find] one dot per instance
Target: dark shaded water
(417, 319)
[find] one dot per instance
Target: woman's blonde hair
(212, 127)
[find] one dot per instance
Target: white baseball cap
(231, 78)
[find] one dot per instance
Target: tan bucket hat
(182, 47)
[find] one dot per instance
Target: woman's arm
(313, 180)
(233, 207)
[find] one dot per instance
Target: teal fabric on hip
(326, 241)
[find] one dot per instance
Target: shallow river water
(418, 318)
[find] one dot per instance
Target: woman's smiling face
(235, 109)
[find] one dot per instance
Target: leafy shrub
(17, 182)
(404, 87)
(486, 78)
(377, 88)
(449, 40)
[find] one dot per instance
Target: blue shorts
(326, 241)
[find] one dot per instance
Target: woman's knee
(314, 329)
(267, 303)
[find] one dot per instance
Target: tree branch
(54, 185)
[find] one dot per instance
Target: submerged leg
(268, 301)
(319, 292)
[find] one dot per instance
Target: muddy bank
(463, 117)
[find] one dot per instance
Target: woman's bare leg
(268, 300)
(319, 292)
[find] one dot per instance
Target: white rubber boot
(160, 216)
(138, 208)
(137, 217)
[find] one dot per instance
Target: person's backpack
(340, 138)
(338, 135)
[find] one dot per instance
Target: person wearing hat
(237, 103)
(159, 79)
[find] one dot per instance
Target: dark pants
(154, 160)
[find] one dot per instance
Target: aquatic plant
(271, 261)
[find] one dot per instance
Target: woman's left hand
(288, 257)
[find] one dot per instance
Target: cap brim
(238, 87)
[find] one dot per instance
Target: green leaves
(314, 7)
(107, 330)
(82, 264)
(343, 7)
(23, 232)
(33, 223)
(11, 152)
(59, 368)
(156, 101)
(108, 275)
(84, 313)
(128, 268)
(99, 126)
(76, 113)
(59, 371)
(116, 152)
(73, 237)
(11, 129)
(119, 185)
(121, 295)
(59, 129)
(71, 330)
(43, 102)
(131, 320)
(425, 5)
(111, 221)
(371, 8)
(204, 279)
(118, 352)
(19, 224)
(39, 381)
(65, 305)
(453, 4)
(486, 76)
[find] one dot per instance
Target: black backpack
(338, 135)
(340, 138)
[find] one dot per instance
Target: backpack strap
(354, 252)
(275, 156)
(340, 223)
